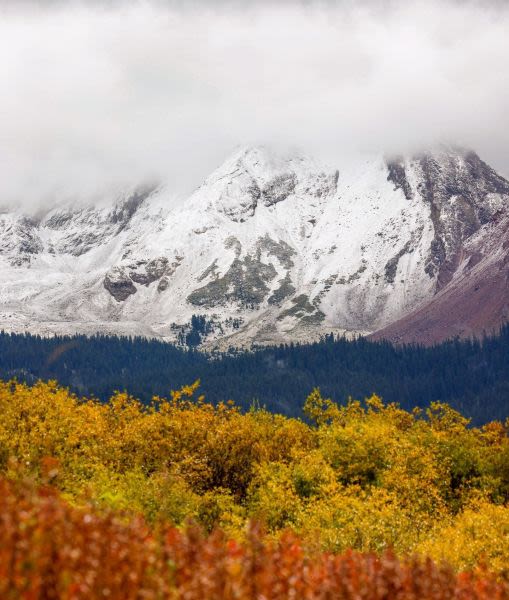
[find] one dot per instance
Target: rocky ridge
(269, 249)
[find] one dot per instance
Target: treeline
(471, 375)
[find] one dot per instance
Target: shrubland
(366, 477)
(51, 549)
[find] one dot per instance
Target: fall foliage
(53, 550)
(365, 477)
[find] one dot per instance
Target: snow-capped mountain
(269, 249)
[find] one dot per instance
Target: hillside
(271, 249)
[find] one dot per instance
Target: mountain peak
(272, 247)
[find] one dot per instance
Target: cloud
(100, 94)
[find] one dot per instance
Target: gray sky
(98, 94)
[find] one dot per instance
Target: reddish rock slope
(475, 301)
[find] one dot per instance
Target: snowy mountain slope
(475, 302)
(270, 248)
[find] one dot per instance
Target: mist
(100, 95)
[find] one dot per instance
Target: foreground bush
(366, 476)
(50, 549)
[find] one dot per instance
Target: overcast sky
(98, 94)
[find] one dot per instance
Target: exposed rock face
(19, 239)
(119, 284)
(240, 198)
(272, 249)
(391, 268)
(256, 177)
(86, 228)
(120, 280)
(463, 193)
(124, 211)
(397, 174)
(279, 188)
(153, 270)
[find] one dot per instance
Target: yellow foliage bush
(367, 476)
(476, 535)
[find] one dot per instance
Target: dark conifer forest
(472, 376)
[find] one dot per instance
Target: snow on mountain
(270, 248)
(473, 303)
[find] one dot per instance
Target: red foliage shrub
(51, 550)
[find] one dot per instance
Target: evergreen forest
(472, 376)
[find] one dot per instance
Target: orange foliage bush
(50, 549)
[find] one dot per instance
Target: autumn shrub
(479, 534)
(365, 476)
(50, 549)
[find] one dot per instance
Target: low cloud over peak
(100, 94)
